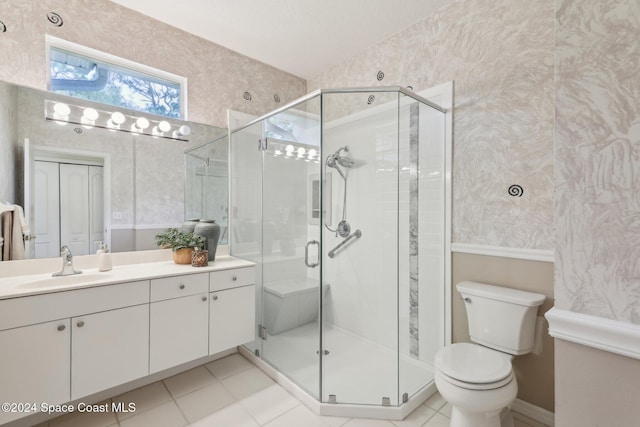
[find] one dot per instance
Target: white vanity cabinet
(109, 349)
(62, 345)
(47, 357)
(34, 365)
(179, 320)
(231, 308)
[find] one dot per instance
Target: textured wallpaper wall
(500, 56)
(217, 77)
(597, 198)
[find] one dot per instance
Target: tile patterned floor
(232, 392)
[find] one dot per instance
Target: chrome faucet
(67, 263)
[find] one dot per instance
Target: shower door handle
(306, 254)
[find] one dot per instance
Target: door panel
(46, 214)
(74, 208)
(96, 203)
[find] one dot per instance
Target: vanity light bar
(293, 150)
(89, 117)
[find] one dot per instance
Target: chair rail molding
(505, 252)
(604, 334)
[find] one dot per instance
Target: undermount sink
(63, 280)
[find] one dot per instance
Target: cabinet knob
(234, 278)
(80, 324)
(215, 297)
(61, 328)
(204, 298)
(181, 285)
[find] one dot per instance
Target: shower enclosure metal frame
(314, 106)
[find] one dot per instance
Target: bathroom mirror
(142, 177)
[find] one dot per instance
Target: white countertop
(34, 284)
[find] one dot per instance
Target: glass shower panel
(421, 242)
(207, 184)
(360, 248)
(245, 182)
(291, 215)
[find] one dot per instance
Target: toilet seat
(474, 367)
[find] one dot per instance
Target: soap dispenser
(104, 258)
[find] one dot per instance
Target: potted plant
(182, 244)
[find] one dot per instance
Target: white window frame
(54, 42)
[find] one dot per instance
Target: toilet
(477, 378)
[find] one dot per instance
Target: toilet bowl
(477, 381)
(477, 378)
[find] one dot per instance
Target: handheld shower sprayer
(342, 164)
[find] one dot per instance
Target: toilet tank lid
(500, 293)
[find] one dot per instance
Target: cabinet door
(232, 317)
(179, 331)
(34, 365)
(108, 349)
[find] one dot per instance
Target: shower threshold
(361, 387)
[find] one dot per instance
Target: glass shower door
(360, 254)
(291, 213)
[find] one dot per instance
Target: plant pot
(182, 256)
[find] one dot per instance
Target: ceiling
(302, 37)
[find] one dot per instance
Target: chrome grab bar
(306, 254)
(355, 235)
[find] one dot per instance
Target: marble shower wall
(500, 55)
(597, 197)
(217, 77)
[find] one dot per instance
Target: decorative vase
(189, 225)
(200, 258)
(208, 229)
(182, 256)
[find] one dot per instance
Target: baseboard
(505, 252)
(534, 412)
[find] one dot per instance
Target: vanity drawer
(226, 279)
(179, 286)
(30, 310)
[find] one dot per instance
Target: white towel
(23, 221)
(12, 234)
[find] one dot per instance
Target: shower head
(336, 161)
(343, 161)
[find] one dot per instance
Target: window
(84, 73)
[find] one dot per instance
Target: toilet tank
(501, 318)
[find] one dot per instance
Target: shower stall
(340, 198)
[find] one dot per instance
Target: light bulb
(142, 123)
(60, 109)
(289, 149)
(301, 151)
(117, 118)
(312, 153)
(164, 126)
(90, 114)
